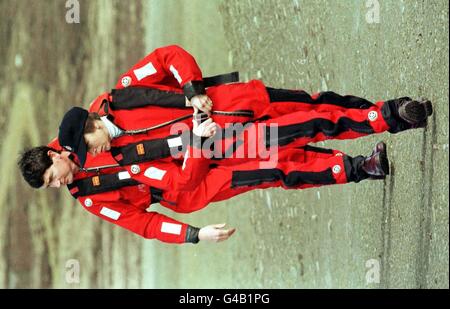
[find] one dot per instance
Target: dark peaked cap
(71, 132)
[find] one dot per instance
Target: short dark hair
(33, 163)
(89, 126)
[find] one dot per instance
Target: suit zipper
(241, 113)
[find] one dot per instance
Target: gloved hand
(207, 128)
(201, 102)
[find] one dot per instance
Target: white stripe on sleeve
(145, 71)
(112, 214)
(175, 74)
(171, 228)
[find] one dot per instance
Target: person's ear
(98, 124)
(52, 154)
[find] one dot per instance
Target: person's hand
(215, 232)
(207, 128)
(201, 102)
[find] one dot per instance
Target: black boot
(376, 166)
(415, 113)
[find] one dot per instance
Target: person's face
(99, 140)
(61, 171)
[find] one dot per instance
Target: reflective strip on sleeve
(112, 214)
(124, 175)
(175, 74)
(175, 142)
(171, 228)
(154, 173)
(145, 71)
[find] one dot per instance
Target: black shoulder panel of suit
(133, 97)
(105, 183)
(99, 184)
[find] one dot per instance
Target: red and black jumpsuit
(174, 74)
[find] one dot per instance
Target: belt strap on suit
(108, 182)
(101, 183)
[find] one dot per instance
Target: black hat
(71, 132)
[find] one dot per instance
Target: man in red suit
(120, 194)
(154, 100)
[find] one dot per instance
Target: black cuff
(192, 234)
(353, 169)
(193, 88)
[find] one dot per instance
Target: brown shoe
(415, 112)
(377, 164)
